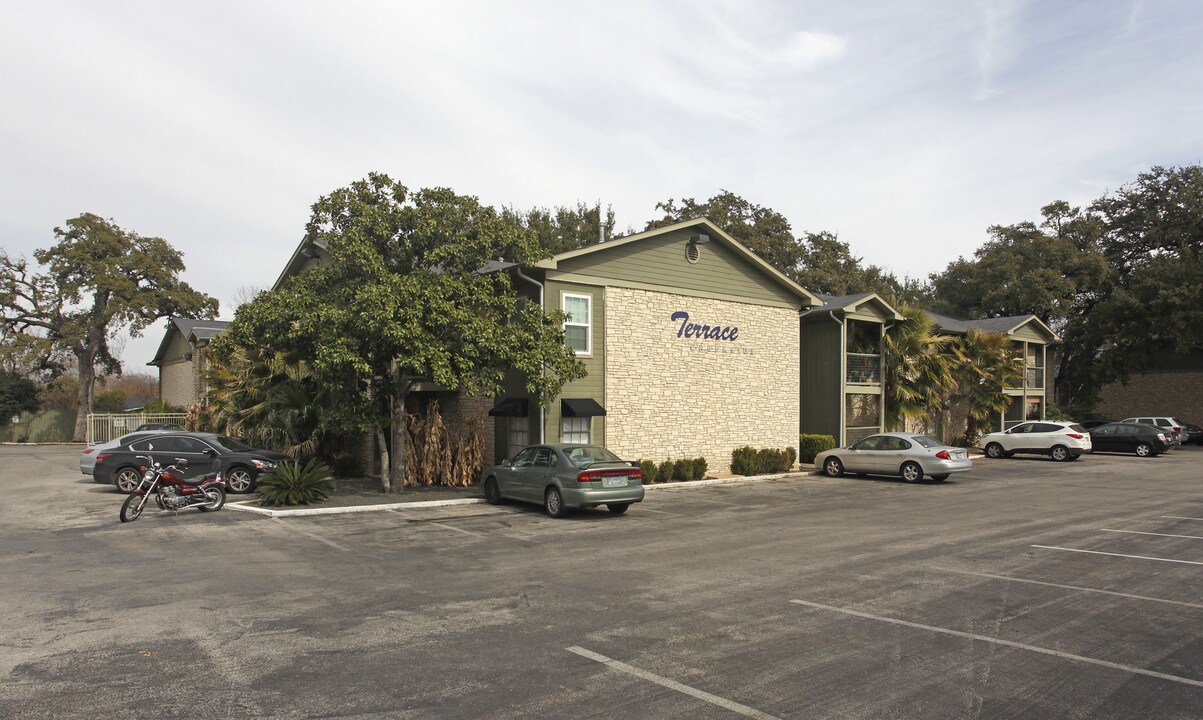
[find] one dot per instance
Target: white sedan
(1058, 440)
(908, 455)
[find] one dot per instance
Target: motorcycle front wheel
(217, 498)
(131, 509)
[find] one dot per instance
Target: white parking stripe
(673, 685)
(1179, 517)
(1136, 557)
(1068, 587)
(1007, 643)
(458, 530)
(308, 534)
(1137, 532)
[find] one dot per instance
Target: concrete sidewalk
(358, 495)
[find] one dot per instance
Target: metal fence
(103, 427)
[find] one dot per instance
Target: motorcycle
(172, 492)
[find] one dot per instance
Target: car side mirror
(506, 463)
(210, 452)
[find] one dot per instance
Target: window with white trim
(519, 434)
(578, 328)
(576, 430)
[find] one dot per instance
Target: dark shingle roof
(998, 324)
(192, 330)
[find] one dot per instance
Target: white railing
(103, 427)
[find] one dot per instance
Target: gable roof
(194, 331)
(714, 231)
(1006, 325)
(843, 304)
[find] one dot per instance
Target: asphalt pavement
(1023, 589)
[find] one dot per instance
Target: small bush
(683, 469)
(664, 472)
(648, 468)
(290, 483)
(750, 461)
(811, 445)
(699, 468)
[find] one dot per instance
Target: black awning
(510, 407)
(580, 407)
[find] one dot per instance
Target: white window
(578, 329)
(576, 430)
(519, 434)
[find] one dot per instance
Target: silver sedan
(907, 455)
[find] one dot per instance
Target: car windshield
(925, 441)
(231, 444)
(581, 455)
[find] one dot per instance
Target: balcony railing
(1035, 377)
(864, 369)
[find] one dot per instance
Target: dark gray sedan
(563, 477)
(908, 455)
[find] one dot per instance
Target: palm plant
(270, 400)
(987, 366)
(917, 369)
(291, 483)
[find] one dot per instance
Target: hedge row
(811, 445)
(748, 460)
(670, 470)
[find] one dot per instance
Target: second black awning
(511, 407)
(580, 407)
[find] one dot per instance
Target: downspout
(539, 285)
(843, 370)
(881, 369)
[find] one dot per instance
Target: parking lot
(1025, 588)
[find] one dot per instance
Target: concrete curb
(249, 506)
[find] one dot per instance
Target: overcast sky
(907, 127)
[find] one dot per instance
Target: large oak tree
(97, 280)
(401, 299)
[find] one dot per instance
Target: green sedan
(564, 477)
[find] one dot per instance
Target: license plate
(615, 481)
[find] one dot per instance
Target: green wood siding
(659, 263)
(871, 312)
(176, 348)
(593, 384)
(1031, 333)
(822, 367)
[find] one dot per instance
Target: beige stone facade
(177, 383)
(669, 396)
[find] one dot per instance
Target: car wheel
(1060, 453)
(940, 478)
(126, 479)
(1144, 450)
(239, 480)
(492, 492)
(553, 502)
(994, 450)
(833, 467)
(911, 472)
(618, 508)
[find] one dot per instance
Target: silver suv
(1173, 428)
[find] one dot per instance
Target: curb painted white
(249, 506)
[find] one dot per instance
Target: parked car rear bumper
(581, 497)
(944, 467)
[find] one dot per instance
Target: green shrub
(750, 461)
(664, 472)
(811, 445)
(699, 468)
(290, 483)
(648, 468)
(683, 469)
